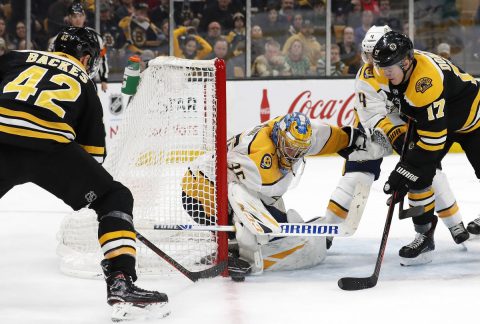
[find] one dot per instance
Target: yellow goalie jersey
(253, 160)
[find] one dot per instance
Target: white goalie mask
(371, 38)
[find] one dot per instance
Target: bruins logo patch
(368, 72)
(423, 84)
(266, 162)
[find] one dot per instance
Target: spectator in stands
(318, 18)
(286, 12)
(109, 29)
(312, 47)
(350, 53)
(4, 35)
(238, 32)
(367, 22)
(337, 67)
(370, 5)
(303, 6)
(125, 9)
(258, 42)
(274, 26)
(385, 17)
(39, 37)
(354, 18)
(236, 65)
(164, 48)
(139, 33)
(296, 26)
(57, 15)
(182, 14)
(272, 63)
(214, 32)
(220, 50)
(344, 6)
(221, 11)
(187, 44)
(3, 47)
(20, 40)
(297, 60)
(160, 12)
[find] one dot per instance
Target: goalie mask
(79, 41)
(292, 136)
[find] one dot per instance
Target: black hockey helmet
(76, 8)
(79, 41)
(392, 48)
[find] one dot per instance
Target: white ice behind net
(169, 123)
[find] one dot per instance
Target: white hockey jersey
(372, 105)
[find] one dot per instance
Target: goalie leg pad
(293, 253)
(339, 204)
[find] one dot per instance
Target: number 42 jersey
(46, 99)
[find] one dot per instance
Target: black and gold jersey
(442, 99)
(48, 98)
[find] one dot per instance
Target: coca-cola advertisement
(253, 102)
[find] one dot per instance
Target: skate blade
(128, 312)
(423, 258)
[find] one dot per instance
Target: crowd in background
(287, 38)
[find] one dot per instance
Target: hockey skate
(419, 251)
(130, 302)
(474, 226)
(459, 233)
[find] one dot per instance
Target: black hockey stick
(193, 276)
(353, 283)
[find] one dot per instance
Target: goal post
(176, 119)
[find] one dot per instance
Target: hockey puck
(238, 278)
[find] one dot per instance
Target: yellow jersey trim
(115, 235)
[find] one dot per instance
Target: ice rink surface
(33, 291)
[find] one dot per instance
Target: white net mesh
(170, 122)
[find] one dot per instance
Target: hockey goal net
(176, 117)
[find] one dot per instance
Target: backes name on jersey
(62, 65)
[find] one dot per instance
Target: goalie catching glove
(368, 144)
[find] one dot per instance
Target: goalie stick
(288, 229)
(193, 276)
(355, 283)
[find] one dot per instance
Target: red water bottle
(264, 107)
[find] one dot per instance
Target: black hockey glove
(356, 141)
(400, 180)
